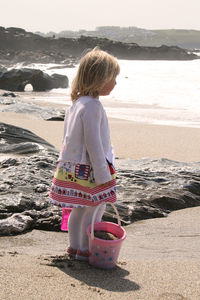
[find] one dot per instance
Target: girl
(85, 176)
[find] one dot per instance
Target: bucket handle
(94, 216)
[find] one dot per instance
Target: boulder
(19, 140)
(15, 224)
(17, 79)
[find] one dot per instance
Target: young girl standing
(85, 176)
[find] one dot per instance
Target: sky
(59, 15)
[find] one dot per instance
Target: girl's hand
(103, 185)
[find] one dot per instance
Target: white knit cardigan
(86, 137)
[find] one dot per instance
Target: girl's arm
(91, 118)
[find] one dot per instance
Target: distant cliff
(18, 45)
(187, 39)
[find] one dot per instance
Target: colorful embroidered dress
(85, 159)
(74, 186)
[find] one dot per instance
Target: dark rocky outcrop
(9, 95)
(133, 51)
(18, 45)
(18, 140)
(17, 79)
(155, 187)
(10, 104)
(146, 188)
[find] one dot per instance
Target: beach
(130, 139)
(159, 260)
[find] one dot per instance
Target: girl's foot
(82, 255)
(72, 252)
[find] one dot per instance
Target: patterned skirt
(74, 186)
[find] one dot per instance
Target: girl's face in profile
(108, 87)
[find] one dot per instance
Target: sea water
(154, 92)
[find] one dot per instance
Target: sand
(159, 259)
(130, 140)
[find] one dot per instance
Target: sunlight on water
(161, 92)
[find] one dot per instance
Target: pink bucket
(65, 216)
(104, 253)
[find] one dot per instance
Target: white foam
(170, 89)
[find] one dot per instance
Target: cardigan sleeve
(91, 118)
(65, 124)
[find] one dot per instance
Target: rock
(17, 45)
(19, 106)
(17, 79)
(23, 148)
(15, 224)
(9, 95)
(157, 186)
(146, 197)
(9, 163)
(18, 140)
(133, 51)
(56, 116)
(24, 190)
(51, 223)
(146, 188)
(41, 188)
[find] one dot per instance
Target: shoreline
(150, 114)
(130, 139)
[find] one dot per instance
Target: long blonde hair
(95, 69)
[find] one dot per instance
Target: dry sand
(159, 259)
(130, 140)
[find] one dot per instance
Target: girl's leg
(86, 220)
(74, 224)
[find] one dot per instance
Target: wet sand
(158, 260)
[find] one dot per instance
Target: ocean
(154, 92)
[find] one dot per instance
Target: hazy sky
(58, 15)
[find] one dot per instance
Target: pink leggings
(79, 220)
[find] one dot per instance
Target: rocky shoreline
(18, 45)
(146, 188)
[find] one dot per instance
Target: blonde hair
(95, 69)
